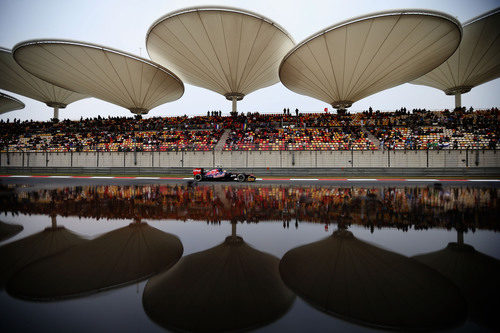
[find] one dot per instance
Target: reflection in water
(360, 282)
(117, 258)
(476, 274)
(8, 230)
(401, 207)
(18, 254)
(229, 287)
(234, 286)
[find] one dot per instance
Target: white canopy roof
(229, 51)
(15, 79)
(9, 103)
(476, 61)
(113, 76)
(360, 57)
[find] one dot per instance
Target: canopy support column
(458, 100)
(460, 237)
(233, 229)
(235, 108)
(56, 112)
(54, 221)
(234, 97)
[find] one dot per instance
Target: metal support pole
(56, 112)
(235, 108)
(352, 158)
(460, 237)
(54, 221)
(46, 159)
(458, 100)
(467, 157)
(97, 154)
(427, 155)
(71, 160)
(233, 229)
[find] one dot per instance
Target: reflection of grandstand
(361, 131)
(404, 208)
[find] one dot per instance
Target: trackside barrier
(467, 159)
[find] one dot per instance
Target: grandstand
(235, 52)
(366, 131)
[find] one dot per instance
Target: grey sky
(123, 24)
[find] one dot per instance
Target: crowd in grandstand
(422, 129)
(401, 207)
(368, 130)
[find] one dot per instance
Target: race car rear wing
(198, 171)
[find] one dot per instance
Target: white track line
(59, 177)
(101, 177)
(300, 179)
(19, 176)
(484, 180)
(188, 178)
(147, 177)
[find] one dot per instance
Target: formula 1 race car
(220, 174)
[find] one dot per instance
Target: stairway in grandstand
(222, 141)
(371, 137)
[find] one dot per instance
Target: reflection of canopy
(8, 230)
(134, 83)
(116, 258)
(15, 79)
(229, 51)
(16, 255)
(360, 57)
(9, 103)
(229, 287)
(475, 62)
(476, 274)
(360, 282)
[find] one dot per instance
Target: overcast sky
(123, 24)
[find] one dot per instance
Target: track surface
(105, 180)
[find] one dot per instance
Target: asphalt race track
(60, 181)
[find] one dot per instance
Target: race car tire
(241, 177)
(198, 178)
